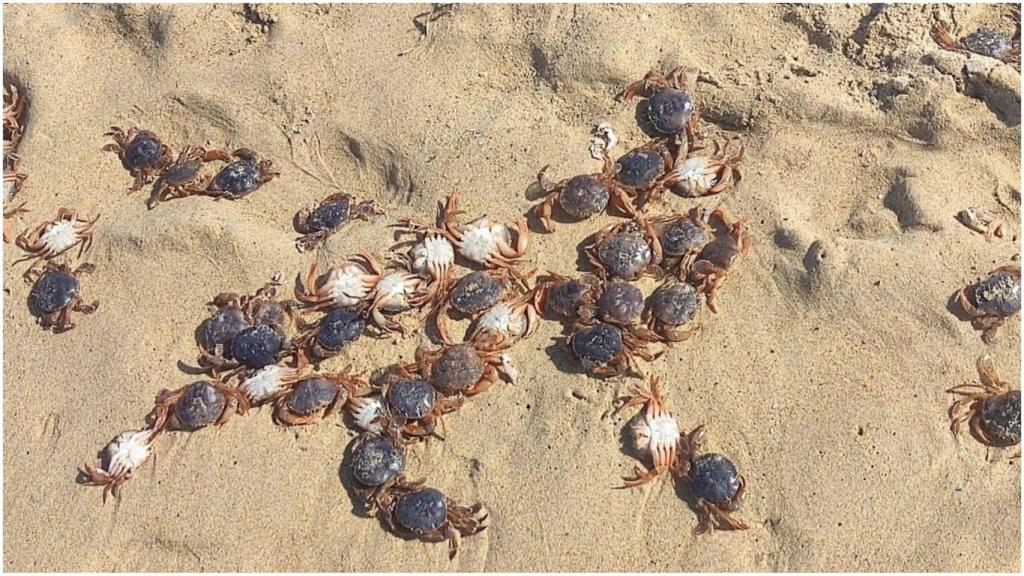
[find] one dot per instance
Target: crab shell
(481, 239)
(344, 286)
(655, 430)
(506, 321)
(123, 456)
(435, 255)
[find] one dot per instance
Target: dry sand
(823, 375)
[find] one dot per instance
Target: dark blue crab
(713, 481)
(414, 511)
(319, 222)
(56, 294)
(141, 152)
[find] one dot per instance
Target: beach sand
(823, 375)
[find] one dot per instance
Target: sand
(822, 376)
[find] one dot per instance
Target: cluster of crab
(609, 323)
(14, 107)
(148, 159)
(257, 350)
(56, 291)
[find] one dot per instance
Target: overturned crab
(414, 511)
(720, 256)
(654, 431)
(318, 222)
(397, 291)
(141, 152)
(983, 221)
(243, 175)
(265, 384)
(122, 457)
(347, 285)
(698, 176)
(990, 302)
(627, 250)
(56, 294)
(14, 105)
(991, 408)
(512, 319)
(983, 41)
(13, 180)
(199, 404)
(430, 253)
(487, 243)
(713, 481)
(317, 396)
(52, 238)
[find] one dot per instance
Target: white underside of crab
(480, 240)
(348, 285)
(694, 175)
(393, 291)
(434, 253)
(660, 432)
(366, 412)
(59, 236)
(264, 383)
(502, 319)
(128, 451)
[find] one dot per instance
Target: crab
(983, 41)
(316, 397)
(714, 482)
(182, 178)
(699, 176)
(487, 243)
(670, 309)
(332, 333)
(470, 296)
(198, 405)
(414, 403)
(141, 152)
(54, 237)
(397, 290)
(368, 412)
(464, 369)
(654, 430)
(241, 176)
(718, 257)
(682, 237)
(614, 302)
(581, 196)
(351, 284)
(564, 297)
(55, 295)
(13, 181)
(265, 384)
(318, 222)
(377, 463)
(991, 408)
(609, 350)
(669, 108)
(627, 250)
(14, 105)
(982, 221)
(431, 253)
(122, 457)
(641, 172)
(235, 313)
(990, 302)
(231, 342)
(512, 319)
(414, 511)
